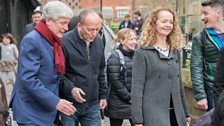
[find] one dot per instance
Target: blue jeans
(86, 116)
(210, 97)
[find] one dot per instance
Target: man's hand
(203, 104)
(77, 94)
(103, 103)
(65, 107)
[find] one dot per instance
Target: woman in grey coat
(158, 97)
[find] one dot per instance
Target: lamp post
(101, 6)
(133, 5)
(177, 7)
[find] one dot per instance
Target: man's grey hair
(56, 9)
(83, 15)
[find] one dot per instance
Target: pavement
(105, 121)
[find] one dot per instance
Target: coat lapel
(49, 48)
(161, 56)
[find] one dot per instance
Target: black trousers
(118, 122)
(173, 120)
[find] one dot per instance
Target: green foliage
(182, 23)
(114, 26)
(188, 61)
(188, 64)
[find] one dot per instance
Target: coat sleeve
(182, 92)
(102, 79)
(30, 62)
(138, 85)
(218, 86)
(197, 69)
(113, 72)
(66, 84)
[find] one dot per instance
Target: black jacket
(83, 70)
(218, 86)
(218, 114)
(119, 100)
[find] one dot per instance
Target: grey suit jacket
(29, 27)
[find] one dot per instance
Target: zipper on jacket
(88, 50)
(210, 37)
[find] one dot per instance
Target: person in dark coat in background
(218, 114)
(218, 86)
(126, 23)
(158, 97)
(138, 22)
(107, 36)
(36, 17)
(218, 90)
(119, 100)
(73, 23)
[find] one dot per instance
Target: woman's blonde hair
(123, 34)
(174, 39)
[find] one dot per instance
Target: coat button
(169, 76)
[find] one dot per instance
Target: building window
(108, 12)
(122, 11)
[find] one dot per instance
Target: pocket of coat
(26, 97)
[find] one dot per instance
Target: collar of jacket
(171, 54)
(214, 37)
(125, 52)
(76, 34)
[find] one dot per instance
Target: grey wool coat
(157, 78)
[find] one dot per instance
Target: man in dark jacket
(84, 80)
(36, 17)
(205, 51)
(138, 22)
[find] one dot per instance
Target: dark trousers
(118, 122)
(173, 120)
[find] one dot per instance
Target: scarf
(55, 42)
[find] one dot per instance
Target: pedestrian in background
(205, 51)
(36, 18)
(119, 77)
(158, 97)
(126, 23)
(84, 80)
(8, 62)
(138, 22)
(107, 36)
(217, 118)
(35, 99)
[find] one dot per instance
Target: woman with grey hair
(35, 99)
